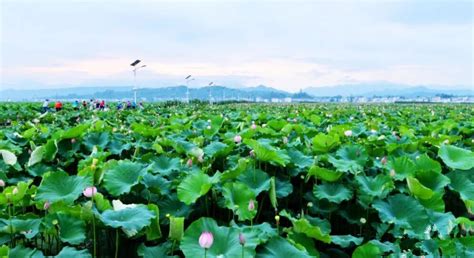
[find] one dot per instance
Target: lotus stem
(116, 242)
(205, 252)
(93, 229)
(11, 226)
(242, 251)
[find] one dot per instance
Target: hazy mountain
(383, 89)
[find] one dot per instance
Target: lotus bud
(363, 220)
(73, 140)
(208, 127)
(254, 126)
(237, 139)
(295, 120)
(392, 172)
(310, 204)
(2, 183)
(285, 140)
(208, 120)
(277, 218)
(251, 205)
(95, 161)
(241, 239)
(206, 239)
(264, 125)
(189, 163)
(15, 190)
(348, 133)
(89, 191)
(252, 153)
(46, 205)
(55, 222)
(384, 160)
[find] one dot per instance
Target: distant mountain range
(219, 93)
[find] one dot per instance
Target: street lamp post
(188, 79)
(135, 69)
(210, 94)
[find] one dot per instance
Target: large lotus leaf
(324, 173)
(121, 176)
(379, 185)
(20, 251)
(36, 156)
(435, 203)
(165, 165)
(332, 192)
(237, 198)
(21, 190)
(344, 165)
(130, 220)
(50, 149)
(283, 187)
(75, 131)
(256, 180)
(419, 190)
(355, 153)
(403, 211)
(403, 167)
(68, 252)
(226, 241)
(299, 159)
(216, 123)
(306, 226)
(59, 186)
(257, 234)
(457, 247)
(463, 183)
(96, 139)
(302, 241)
(280, 248)
(8, 157)
(71, 229)
(154, 251)
(195, 186)
(157, 184)
(324, 143)
(217, 149)
(456, 158)
(433, 180)
(367, 250)
(426, 164)
(268, 153)
(345, 241)
(444, 223)
(29, 227)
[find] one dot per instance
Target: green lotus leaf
(403, 167)
(237, 197)
(36, 156)
(8, 157)
(280, 248)
(403, 211)
(463, 183)
(59, 186)
(276, 124)
(8, 194)
(153, 231)
(215, 149)
(29, 227)
(176, 228)
(378, 186)
(50, 149)
(435, 203)
(444, 223)
(121, 176)
(350, 158)
(195, 186)
(96, 139)
(4, 251)
(75, 131)
(154, 251)
(283, 187)
(419, 190)
(367, 250)
(303, 242)
(216, 124)
(226, 241)
(426, 164)
(299, 159)
(20, 251)
(71, 229)
(68, 252)
(130, 220)
(324, 173)
(257, 180)
(433, 180)
(345, 241)
(164, 165)
(268, 153)
(306, 226)
(332, 192)
(323, 143)
(145, 130)
(456, 158)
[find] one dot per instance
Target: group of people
(91, 105)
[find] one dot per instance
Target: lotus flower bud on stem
(189, 163)
(348, 133)
(2, 183)
(237, 139)
(251, 206)
(90, 191)
(206, 239)
(15, 190)
(46, 205)
(241, 239)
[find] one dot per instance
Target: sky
(287, 45)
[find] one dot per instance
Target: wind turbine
(135, 69)
(188, 79)
(210, 95)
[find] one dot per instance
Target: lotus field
(238, 180)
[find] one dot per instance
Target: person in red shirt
(58, 105)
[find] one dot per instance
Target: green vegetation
(264, 180)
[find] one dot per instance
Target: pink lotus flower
(15, 190)
(2, 183)
(206, 239)
(251, 205)
(89, 191)
(46, 205)
(189, 163)
(237, 139)
(254, 126)
(241, 239)
(348, 133)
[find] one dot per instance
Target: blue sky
(285, 44)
